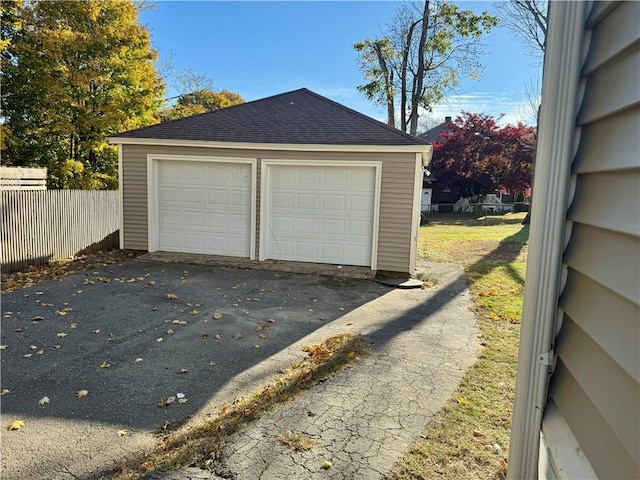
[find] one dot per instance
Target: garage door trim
(265, 189)
(153, 213)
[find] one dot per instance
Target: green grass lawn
(469, 438)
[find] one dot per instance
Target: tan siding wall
(394, 240)
(595, 384)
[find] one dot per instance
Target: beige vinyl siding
(596, 381)
(396, 196)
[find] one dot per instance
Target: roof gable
(296, 117)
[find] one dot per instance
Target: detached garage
(293, 177)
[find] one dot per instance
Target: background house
(291, 177)
(577, 398)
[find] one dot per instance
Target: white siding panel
(614, 89)
(612, 392)
(619, 33)
(603, 449)
(608, 200)
(611, 321)
(610, 144)
(611, 259)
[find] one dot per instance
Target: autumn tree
(479, 157)
(420, 58)
(200, 101)
(196, 95)
(74, 73)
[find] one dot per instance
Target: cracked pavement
(365, 417)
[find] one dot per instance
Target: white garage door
(204, 207)
(321, 214)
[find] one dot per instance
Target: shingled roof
(297, 117)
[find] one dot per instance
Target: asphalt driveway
(134, 333)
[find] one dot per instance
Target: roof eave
(418, 148)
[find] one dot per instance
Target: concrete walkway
(365, 417)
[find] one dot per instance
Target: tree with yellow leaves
(72, 74)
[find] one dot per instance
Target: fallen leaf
(325, 465)
(204, 336)
(152, 282)
(33, 347)
(40, 352)
(172, 296)
(159, 339)
(43, 401)
(182, 400)
(82, 393)
(194, 312)
(37, 319)
(179, 322)
(19, 330)
(121, 433)
(73, 325)
(217, 316)
(478, 433)
(183, 370)
(96, 331)
(138, 360)
(271, 320)
(212, 364)
(62, 334)
(170, 332)
(28, 355)
(236, 336)
(351, 355)
(462, 400)
(170, 400)
(3, 347)
(79, 292)
(46, 304)
(105, 365)
(217, 337)
(263, 335)
(155, 308)
(15, 425)
(5, 391)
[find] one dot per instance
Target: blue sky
(264, 48)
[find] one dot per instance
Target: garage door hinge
(546, 358)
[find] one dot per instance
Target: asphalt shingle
(296, 117)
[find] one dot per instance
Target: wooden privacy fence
(40, 226)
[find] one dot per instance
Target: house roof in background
(296, 117)
(433, 135)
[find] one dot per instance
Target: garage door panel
(359, 229)
(305, 201)
(360, 204)
(307, 225)
(216, 198)
(333, 202)
(330, 219)
(333, 227)
(192, 219)
(240, 199)
(204, 207)
(281, 225)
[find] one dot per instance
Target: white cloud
(509, 105)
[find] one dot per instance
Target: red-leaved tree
(479, 157)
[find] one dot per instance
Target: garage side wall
(396, 195)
